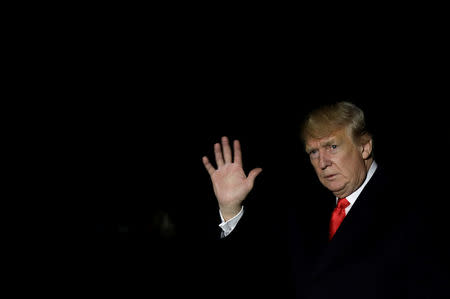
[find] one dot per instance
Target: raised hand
(231, 185)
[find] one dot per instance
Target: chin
(336, 189)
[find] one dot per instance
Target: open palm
(231, 185)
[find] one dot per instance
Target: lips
(329, 176)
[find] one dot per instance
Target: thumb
(252, 175)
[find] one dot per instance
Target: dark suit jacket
(382, 249)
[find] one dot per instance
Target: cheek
(349, 164)
(345, 164)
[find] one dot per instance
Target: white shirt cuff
(228, 226)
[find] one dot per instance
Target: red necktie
(337, 216)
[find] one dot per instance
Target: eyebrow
(329, 142)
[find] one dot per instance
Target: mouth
(330, 176)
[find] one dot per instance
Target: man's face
(339, 163)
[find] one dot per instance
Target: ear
(366, 149)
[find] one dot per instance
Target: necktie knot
(342, 203)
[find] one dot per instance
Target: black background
(115, 111)
(135, 114)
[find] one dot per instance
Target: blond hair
(325, 120)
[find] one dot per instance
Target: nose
(324, 160)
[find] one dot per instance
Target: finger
(226, 150)
(237, 152)
(218, 154)
(252, 175)
(208, 165)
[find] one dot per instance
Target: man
(363, 243)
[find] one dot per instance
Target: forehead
(336, 136)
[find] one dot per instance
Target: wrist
(229, 212)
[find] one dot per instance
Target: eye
(333, 146)
(313, 153)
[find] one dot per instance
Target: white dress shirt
(228, 226)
